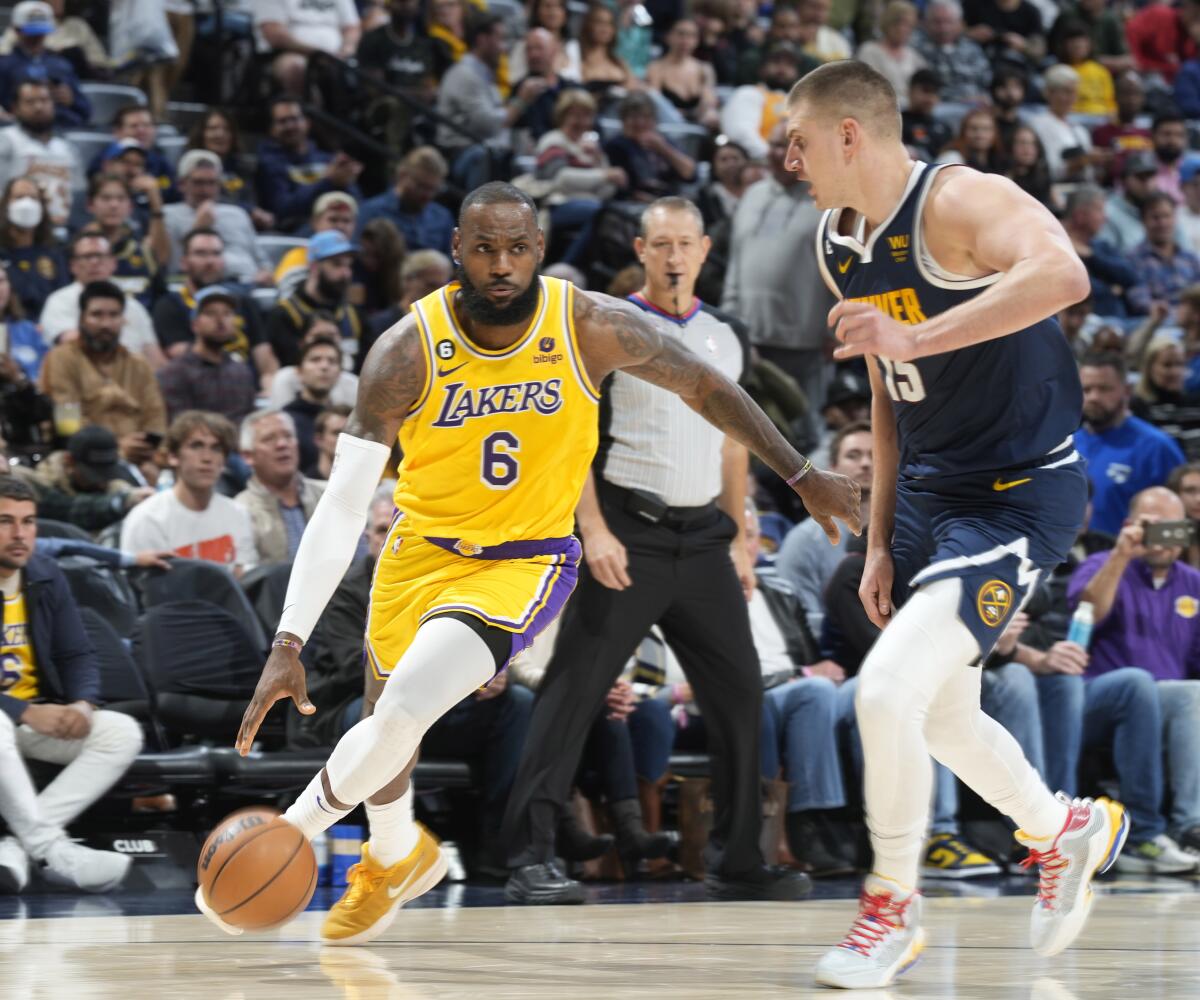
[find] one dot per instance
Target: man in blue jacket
(293, 172)
(31, 60)
(49, 687)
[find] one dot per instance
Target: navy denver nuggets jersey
(997, 405)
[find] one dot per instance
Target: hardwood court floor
(1143, 943)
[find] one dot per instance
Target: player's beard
(482, 310)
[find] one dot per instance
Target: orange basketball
(256, 870)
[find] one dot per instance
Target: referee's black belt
(647, 507)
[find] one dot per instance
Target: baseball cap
(213, 293)
(331, 198)
(94, 450)
(1141, 161)
(194, 158)
(122, 146)
(1190, 168)
(846, 388)
(32, 17)
(330, 243)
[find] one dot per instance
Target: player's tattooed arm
(617, 335)
(392, 380)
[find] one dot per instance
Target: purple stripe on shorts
(527, 549)
(561, 586)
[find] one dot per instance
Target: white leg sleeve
(984, 754)
(902, 675)
(446, 662)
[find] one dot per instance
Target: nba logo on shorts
(546, 344)
(993, 602)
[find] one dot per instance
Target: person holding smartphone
(1142, 677)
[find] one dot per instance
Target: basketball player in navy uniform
(949, 281)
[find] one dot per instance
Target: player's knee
(879, 700)
(397, 727)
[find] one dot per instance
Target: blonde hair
(1144, 389)
(569, 100)
(897, 11)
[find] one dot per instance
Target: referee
(661, 522)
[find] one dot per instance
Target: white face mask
(25, 212)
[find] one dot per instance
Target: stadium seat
(108, 98)
(104, 589)
(266, 586)
(88, 144)
(276, 247)
(172, 147)
(194, 579)
(49, 528)
(201, 664)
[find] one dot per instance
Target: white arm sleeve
(332, 535)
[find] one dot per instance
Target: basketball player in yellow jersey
(491, 385)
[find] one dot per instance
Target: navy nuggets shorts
(997, 532)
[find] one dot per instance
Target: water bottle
(1080, 631)
(346, 840)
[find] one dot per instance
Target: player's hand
(744, 568)
(607, 559)
(1063, 658)
(282, 677)
(875, 591)
(827, 495)
(863, 329)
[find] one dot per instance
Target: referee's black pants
(683, 580)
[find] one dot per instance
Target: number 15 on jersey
(903, 381)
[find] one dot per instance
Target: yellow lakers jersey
(498, 446)
(18, 672)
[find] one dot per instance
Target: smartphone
(152, 439)
(1169, 533)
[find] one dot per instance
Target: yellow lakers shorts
(517, 586)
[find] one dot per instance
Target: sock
(311, 813)
(394, 833)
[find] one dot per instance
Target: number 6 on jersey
(500, 469)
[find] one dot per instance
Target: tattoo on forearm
(642, 352)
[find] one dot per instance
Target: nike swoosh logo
(393, 893)
(844, 267)
(443, 372)
(1000, 487)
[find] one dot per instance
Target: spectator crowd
(189, 288)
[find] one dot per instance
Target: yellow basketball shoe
(375, 894)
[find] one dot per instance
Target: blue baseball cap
(330, 243)
(213, 293)
(1189, 169)
(117, 149)
(33, 17)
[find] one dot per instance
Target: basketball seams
(212, 885)
(267, 884)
